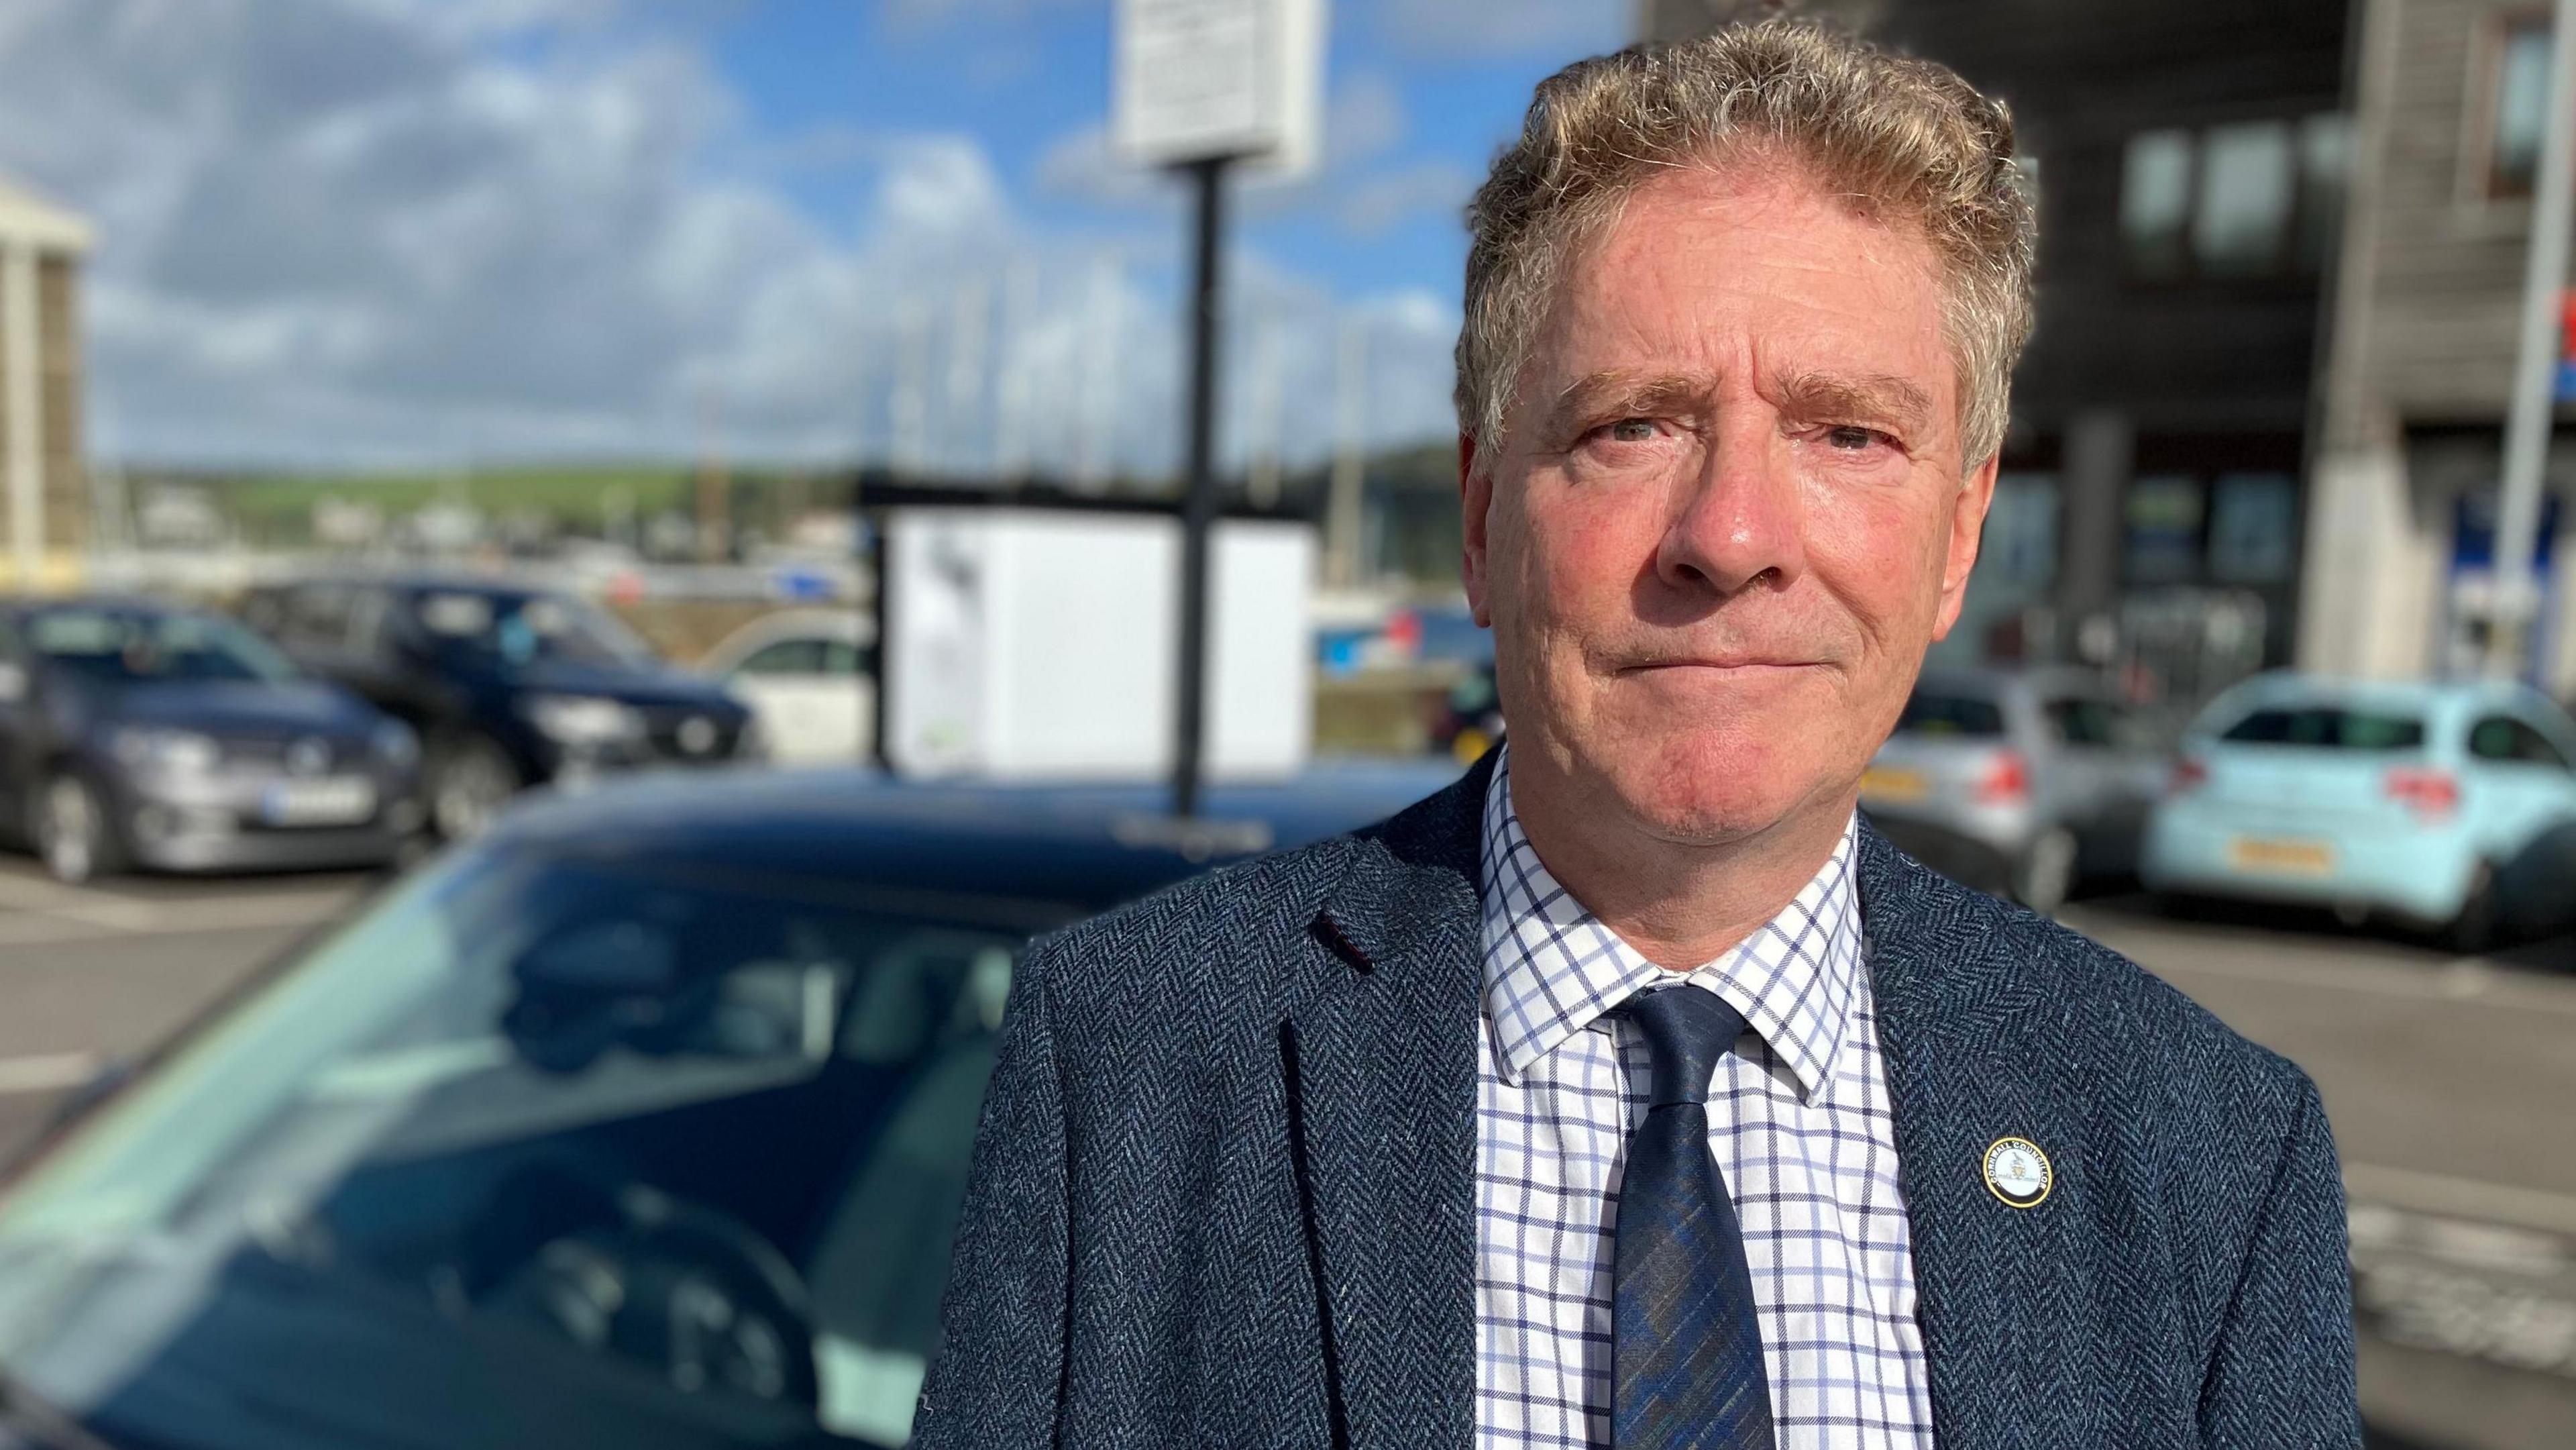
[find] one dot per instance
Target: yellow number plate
(2288, 858)
(1886, 783)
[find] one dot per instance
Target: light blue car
(2450, 806)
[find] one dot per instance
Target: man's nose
(1741, 522)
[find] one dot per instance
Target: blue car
(639, 1123)
(2447, 806)
(135, 733)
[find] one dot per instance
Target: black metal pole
(1198, 501)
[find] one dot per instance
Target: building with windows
(2188, 160)
(2282, 251)
(44, 519)
(2450, 100)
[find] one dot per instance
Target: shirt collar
(1552, 967)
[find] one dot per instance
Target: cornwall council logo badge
(2018, 1172)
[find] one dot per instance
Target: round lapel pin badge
(2018, 1173)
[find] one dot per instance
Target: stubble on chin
(1700, 784)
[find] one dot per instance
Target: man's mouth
(1723, 663)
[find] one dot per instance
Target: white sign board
(1036, 644)
(1196, 79)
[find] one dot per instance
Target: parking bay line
(98, 908)
(40, 926)
(46, 1072)
(2462, 1198)
(2470, 980)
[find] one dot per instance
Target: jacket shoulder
(1221, 944)
(2096, 999)
(1200, 945)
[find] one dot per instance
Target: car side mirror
(13, 682)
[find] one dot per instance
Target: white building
(45, 522)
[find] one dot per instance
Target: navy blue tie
(1686, 1347)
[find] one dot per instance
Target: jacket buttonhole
(1338, 942)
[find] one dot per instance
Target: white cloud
(342, 231)
(1377, 204)
(941, 189)
(1083, 164)
(1365, 120)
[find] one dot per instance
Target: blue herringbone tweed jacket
(1223, 1193)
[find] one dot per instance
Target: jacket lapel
(1974, 1053)
(1380, 1059)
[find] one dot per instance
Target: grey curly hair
(1897, 137)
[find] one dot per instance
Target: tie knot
(1687, 1030)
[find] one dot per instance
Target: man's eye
(1854, 439)
(1631, 430)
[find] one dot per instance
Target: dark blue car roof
(145, 604)
(1066, 850)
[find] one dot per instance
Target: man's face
(1730, 510)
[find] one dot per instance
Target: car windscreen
(537, 1152)
(123, 646)
(2327, 727)
(524, 629)
(1951, 713)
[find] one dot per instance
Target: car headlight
(584, 719)
(167, 752)
(394, 743)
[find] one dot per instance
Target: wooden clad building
(2188, 159)
(2280, 285)
(2451, 104)
(43, 489)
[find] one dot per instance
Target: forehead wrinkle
(1628, 389)
(1865, 394)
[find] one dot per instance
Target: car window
(2503, 738)
(1944, 713)
(2086, 723)
(132, 646)
(265, 610)
(526, 628)
(2327, 727)
(365, 636)
(317, 615)
(708, 1134)
(785, 657)
(840, 657)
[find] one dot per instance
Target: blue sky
(342, 233)
(1026, 79)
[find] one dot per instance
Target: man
(1631, 1092)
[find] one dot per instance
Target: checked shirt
(1798, 1119)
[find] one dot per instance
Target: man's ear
(1475, 499)
(1967, 526)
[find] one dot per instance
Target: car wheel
(2475, 929)
(73, 831)
(2045, 876)
(469, 781)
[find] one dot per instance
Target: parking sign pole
(1197, 86)
(1198, 500)
(2528, 426)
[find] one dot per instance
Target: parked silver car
(2019, 782)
